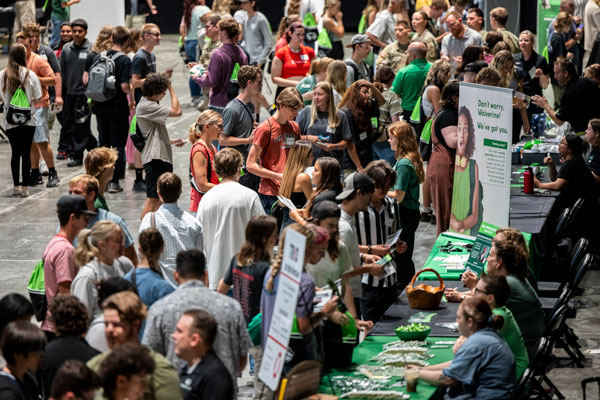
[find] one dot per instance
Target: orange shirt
(42, 69)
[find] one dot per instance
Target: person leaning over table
(574, 180)
(484, 366)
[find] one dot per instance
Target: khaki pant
(24, 14)
(135, 21)
(261, 391)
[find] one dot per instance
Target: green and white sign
(481, 248)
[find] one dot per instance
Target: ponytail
(85, 250)
(495, 322)
(151, 247)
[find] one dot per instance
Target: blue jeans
(382, 151)
(267, 202)
(55, 38)
(190, 51)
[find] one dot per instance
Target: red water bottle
(528, 181)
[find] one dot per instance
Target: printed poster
(481, 190)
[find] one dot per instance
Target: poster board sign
(284, 310)
(481, 189)
(547, 11)
(481, 248)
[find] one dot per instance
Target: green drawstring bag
(136, 137)
(37, 291)
(425, 146)
(254, 330)
(415, 117)
(19, 109)
(324, 42)
(311, 30)
(362, 24)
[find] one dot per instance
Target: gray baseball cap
(359, 39)
(354, 182)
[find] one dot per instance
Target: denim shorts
(41, 125)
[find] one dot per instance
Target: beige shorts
(135, 21)
(24, 14)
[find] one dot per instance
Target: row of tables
(532, 214)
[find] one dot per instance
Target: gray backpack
(101, 82)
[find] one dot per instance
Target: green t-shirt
(512, 335)
(527, 309)
(407, 181)
(409, 82)
(58, 12)
(100, 202)
(163, 383)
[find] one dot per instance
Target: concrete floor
(26, 225)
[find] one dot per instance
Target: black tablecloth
(399, 312)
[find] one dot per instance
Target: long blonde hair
(103, 40)
(89, 240)
(500, 59)
(276, 264)
(208, 117)
(336, 76)
(297, 161)
(407, 146)
(333, 118)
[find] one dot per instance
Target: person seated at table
(495, 290)
(484, 366)
(574, 180)
(592, 136)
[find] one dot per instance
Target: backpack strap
(206, 153)
(262, 154)
(354, 69)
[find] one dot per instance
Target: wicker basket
(424, 296)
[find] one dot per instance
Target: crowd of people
(339, 161)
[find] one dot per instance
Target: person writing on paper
(295, 183)
(467, 209)
(484, 366)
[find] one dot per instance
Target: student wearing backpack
(59, 265)
(113, 114)
(356, 65)
(17, 82)
(75, 134)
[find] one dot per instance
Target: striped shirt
(374, 227)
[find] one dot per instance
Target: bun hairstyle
(481, 314)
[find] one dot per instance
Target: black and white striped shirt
(374, 227)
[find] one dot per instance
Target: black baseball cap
(475, 66)
(354, 182)
(72, 204)
(325, 209)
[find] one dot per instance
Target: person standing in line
(211, 43)
(381, 31)
(61, 12)
(113, 114)
(395, 54)
(75, 134)
(24, 14)
(157, 156)
(136, 12)
(143, 64)
(204, 376)
(193, 12)
(41, 137)
(258, 39)
(355, 64)
(59, 263)
(272, 142)
(17, 75)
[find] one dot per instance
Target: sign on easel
(481, 189)
(284, 310)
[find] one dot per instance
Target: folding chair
(554, 289)
(538, 367)
(589, 380)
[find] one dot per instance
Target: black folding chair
(554, 289)
(538, 382)
(590, 380)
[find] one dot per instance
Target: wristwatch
(368, 249)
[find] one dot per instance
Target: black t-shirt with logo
(247, 285)
(118, 104)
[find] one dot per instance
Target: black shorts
(153, 170)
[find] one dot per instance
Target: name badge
(363, 136)
(289, 140)
(253, 26)
(304, 57)
(330, 129)
(83, 56)
(44, 57)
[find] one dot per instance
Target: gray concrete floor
(26, 225)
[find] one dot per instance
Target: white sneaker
(44, 168)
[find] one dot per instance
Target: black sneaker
(52, 179)
(114, 187)
(74, 162)
(35, 180)
(139, 186)
(61, 155)
(426, 216)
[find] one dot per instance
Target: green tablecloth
(436, 258)
(372, 346)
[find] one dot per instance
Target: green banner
(495, 143)
(547, 10)
(481, 249)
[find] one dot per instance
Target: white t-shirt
(224, 213)
(384, 27)
(33, 90)
(92, 273)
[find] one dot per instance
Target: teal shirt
(409, 82)
(407, 181)
(58, 12)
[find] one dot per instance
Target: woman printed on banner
(467, 209)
